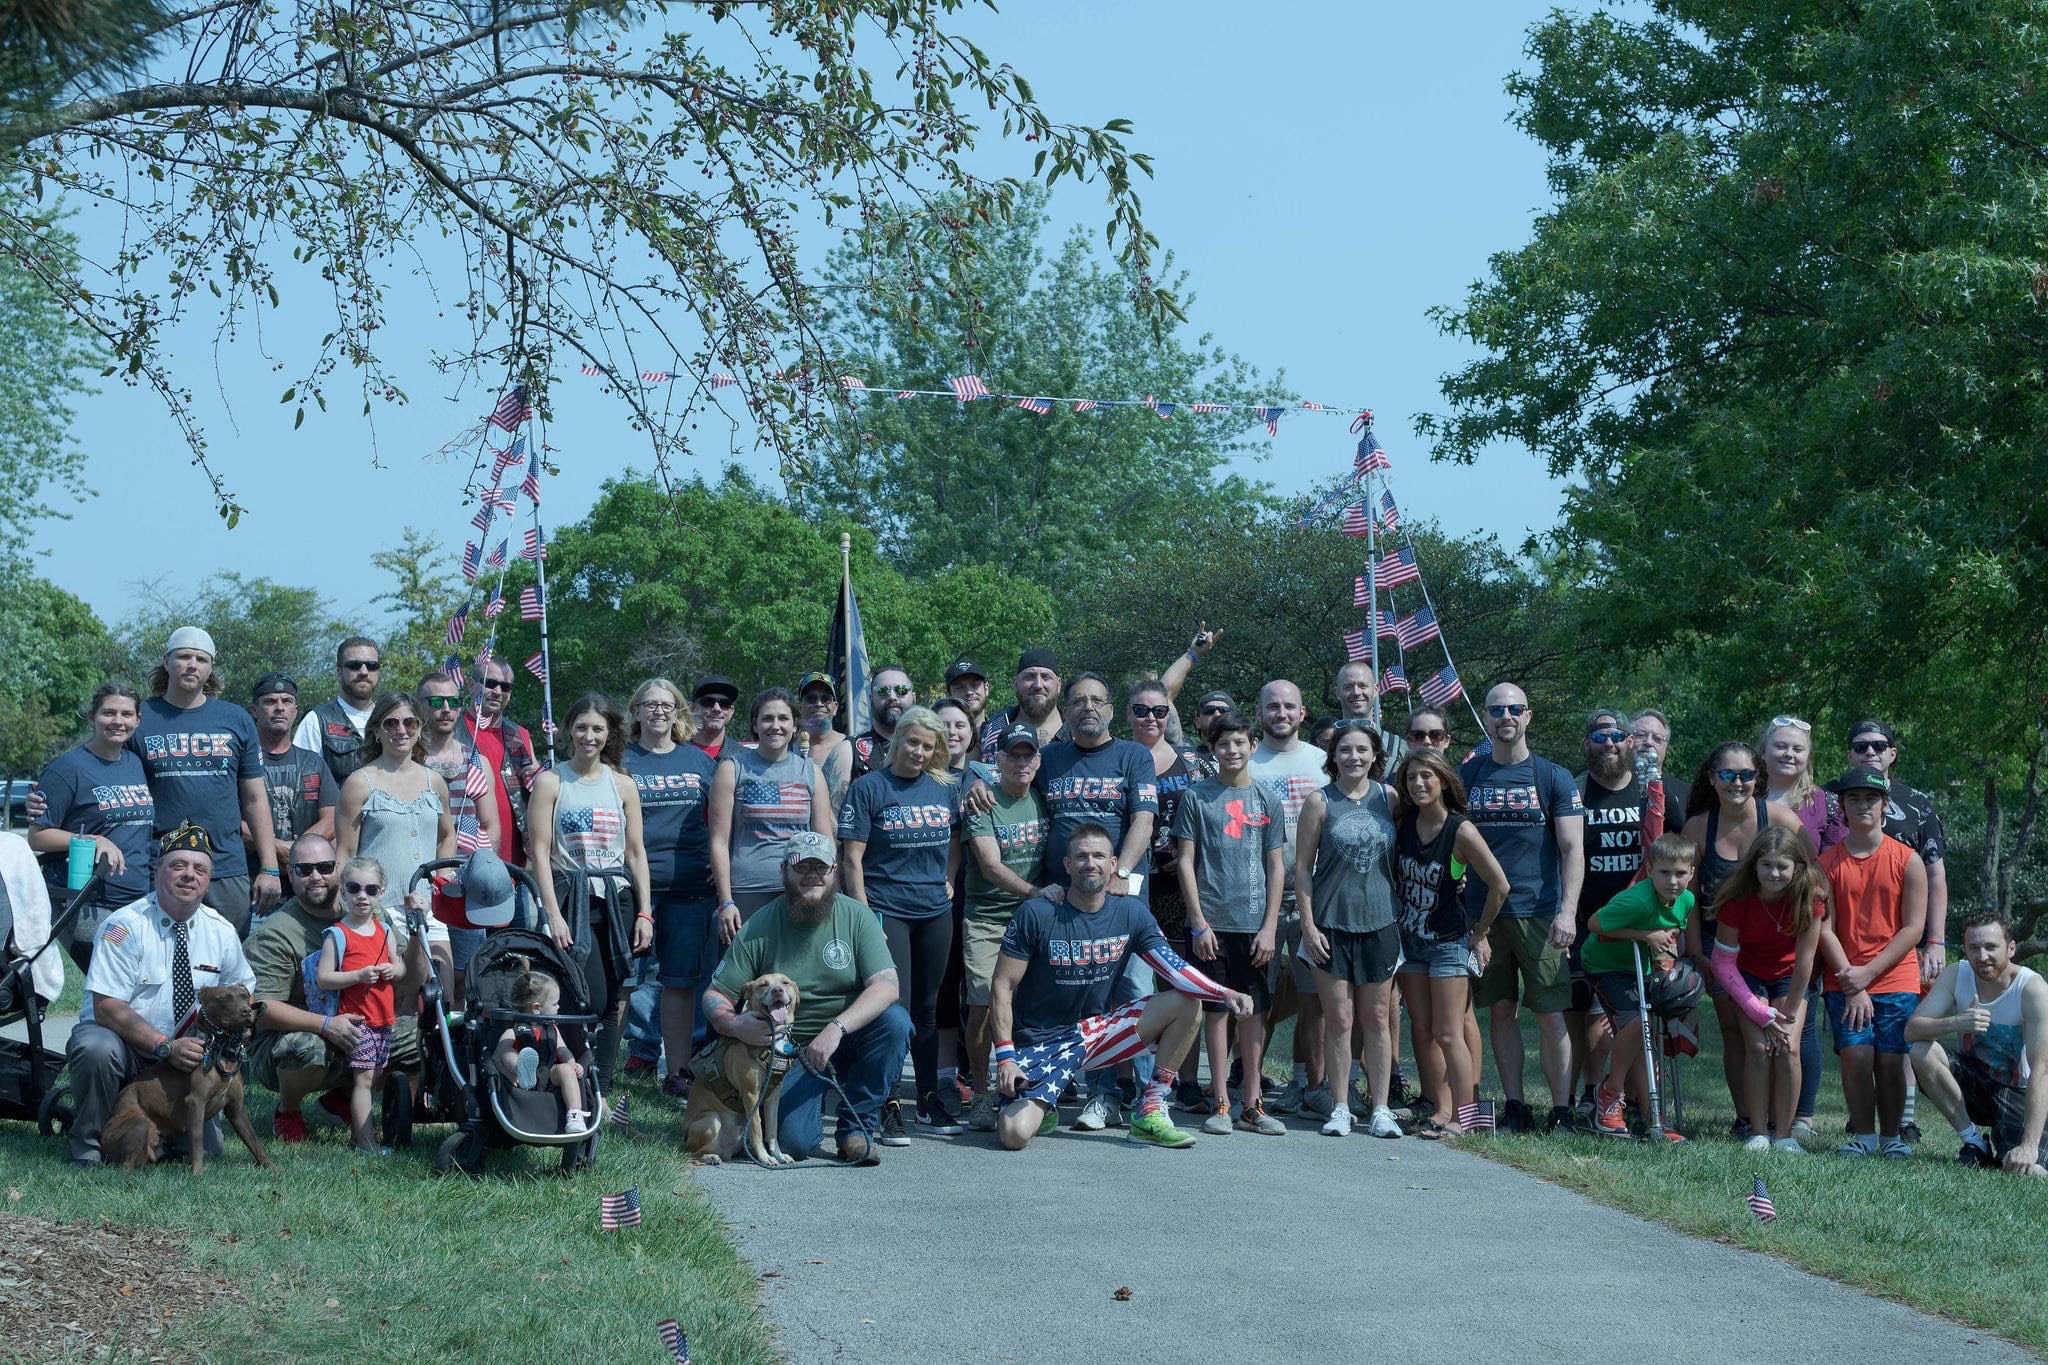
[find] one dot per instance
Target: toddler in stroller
(520, 1048)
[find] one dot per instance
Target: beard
(806, 907)
(1091, 729)
(1090, 885)
(1610, 765)
(1035, 709)
(326, 906)
(891, 711)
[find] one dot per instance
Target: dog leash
(784, 1052)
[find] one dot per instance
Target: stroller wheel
(461, 1151)
(579, 1155)
(398, 1110)
(55, 1113)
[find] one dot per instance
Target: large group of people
(1043, 909)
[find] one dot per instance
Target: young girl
(517, 1055)
(356, 960)
(1767, 926)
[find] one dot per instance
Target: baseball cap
(190, 637)
(1215, 695)
(965, 668)
(273, 682)
(1876, 727)
(713, 685)
(1861, 780)
(1037, 658)
(807, 679)
(1020, 733)
(810, 846)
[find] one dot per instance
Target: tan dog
(736, 1093)
(164, 1101)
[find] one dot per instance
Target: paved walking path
(1309, 1248)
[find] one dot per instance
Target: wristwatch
(162, 1049)
(1124, 873)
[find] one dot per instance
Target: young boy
(1005, 868)
(1651, 913)
(1877, 892)
(1230, 834)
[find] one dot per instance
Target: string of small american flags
(1355, 511)
(972, 388)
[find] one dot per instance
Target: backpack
(327, 1002)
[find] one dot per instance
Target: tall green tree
(1051, 497)
(52, 652)
(1785, 327)
(43, 364)
(423, 592)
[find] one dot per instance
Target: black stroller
(30, 1088)
(458, 1083)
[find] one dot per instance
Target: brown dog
(164, 1101)
(736, 1094)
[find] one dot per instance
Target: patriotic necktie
(182, 995)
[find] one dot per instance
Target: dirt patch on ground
(86, 1291)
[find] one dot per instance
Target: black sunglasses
(1429, 736)
(1870, 746)
(362, 888)
(325, 869)
(497, 684)
(1156, 712)
(371, 665)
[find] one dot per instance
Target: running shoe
(1156, 1130)
(1516, 1118)
(1788, 1145)
(1253, 1118)
(640, 1066)
(1909, 1133)
(576, 1121)
(1978, 1155)
(935, 1120)
(1287, 1099)
(1757, 1143)
(1190, 1096)
(1585, 1114)
(1099, 1113)
(1560, 1117)
(964, 1093)
(1671, 1136)
(334, 1104)
(981, 1115)
(1609, 1118)
(1318, 1102)
(1894, 1149)
(1382, 1124)
(527, 1068)
(892, 1125)
(1218, 1122)
(289, 1125)
(1338, 1124)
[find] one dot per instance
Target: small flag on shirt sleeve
(617, 1211)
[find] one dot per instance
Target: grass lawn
(1963, 1243)
(342, 1257)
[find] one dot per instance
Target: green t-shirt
(829, 960)
(1019, 828)
(1635, 908)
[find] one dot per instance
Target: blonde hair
(1801, 790)
(940, 764)
(358, 863)
(684, 723)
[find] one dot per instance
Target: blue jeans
(868, 1063)
(643, 1011)
(1809, 1052)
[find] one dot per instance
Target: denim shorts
(1423, 956)
(685, 943)
(1768, 990)
(463, 943)
(1887, 1027)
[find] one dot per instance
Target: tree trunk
(1988, 899)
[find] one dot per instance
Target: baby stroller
(460, 1085)
(30, 1088)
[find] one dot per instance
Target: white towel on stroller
(29, 899)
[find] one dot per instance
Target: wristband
(1193, 657)
(266, 872)
(1202, 932)
(1005, 1052)
(644, 915)
(728, 905)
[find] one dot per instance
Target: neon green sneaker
(1155, 1129)
(1050, 1122)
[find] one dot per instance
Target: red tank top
(377, 1004)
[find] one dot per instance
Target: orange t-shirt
(1867, 902)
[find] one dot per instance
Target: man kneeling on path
(847, 1020)
(1996, 1079)
(1049, 1002)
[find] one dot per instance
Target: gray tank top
(590, 823)
(400, 835)
(1353, 879)
(770, 802)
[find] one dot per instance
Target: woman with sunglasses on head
(1724, 813)
(590, 859)
(1177, 767)
(759, 798)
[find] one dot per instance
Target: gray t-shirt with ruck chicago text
(1232, 828)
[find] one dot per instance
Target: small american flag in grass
(1476, 1118)
(1759, 1201)
(619, 1114)
(675, 1338)
(615, 1211)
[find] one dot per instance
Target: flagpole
(547, 681)
(1445, 641)
(844, 685)
(1372, 586)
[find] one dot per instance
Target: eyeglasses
(1608, 736)
(1156, 712)
(325, 869)
(401, 722)
(1513, 708)
(894, 690)
(497, 684)
(442, 703)
(1736, 774)
(361, 888)
(1429, 736)
(1869, 746)
(1779, 722)
(658, 708)
(367, 665)
(1088, 703)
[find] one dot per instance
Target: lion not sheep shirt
(1109, 784)
(907, 825)
(829, 961)
(133, 952)
(1073, 959)
(196, 761)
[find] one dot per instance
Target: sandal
(1429, 1130)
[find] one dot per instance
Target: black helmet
(1674, 990)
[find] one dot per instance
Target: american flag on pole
(968, 387)
(1394, 678)
(497, 602)
(497, 558)
(1356, 646)
(1163, 411)
(512, 410)
(530, 485)
(1307, 406)
(588, 368)
(452, 666)
(1390, 515)
(1086, 405)
(529, 602)
(1476, 1118)
(537, 549)
(620, 1116)
(1418, 627)
(851, 383)
(1209, 407)
(906, 393)
(503, 460)
(1371, 455)
(1361, 596)
(1354, 520)
(469, 836)
(1270, 416)
(675, 1338)
(615, 1211)
(1759, 1201)
(1441, 687)
(476, 781)
(538, 667)
(485, 515)
(1388, 622)
(722, 380)
(458, 623)
(1037, 405)
(657, 376)
(494, 496)
(472, 557)
(1397, 568)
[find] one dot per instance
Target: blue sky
(1326, 174)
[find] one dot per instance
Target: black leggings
(920, 948)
